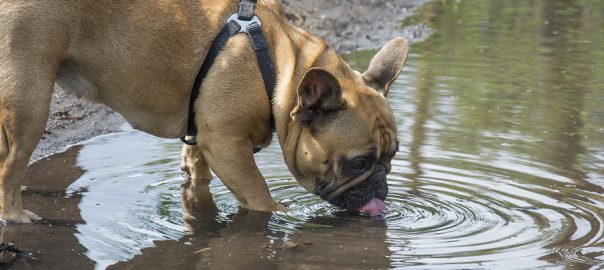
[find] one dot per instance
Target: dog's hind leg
(196, 198)
(194, 163)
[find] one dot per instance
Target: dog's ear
(318, 92)
(386, 65)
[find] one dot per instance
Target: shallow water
(501, 166)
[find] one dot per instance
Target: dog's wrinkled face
(348, 136)
(345, 159)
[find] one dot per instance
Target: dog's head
(348, 131)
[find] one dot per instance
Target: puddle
(501, 167)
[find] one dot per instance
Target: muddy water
(501, 167)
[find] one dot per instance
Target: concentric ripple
(451, 218)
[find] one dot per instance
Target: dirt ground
(346, 25)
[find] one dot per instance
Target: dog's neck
(287, 40)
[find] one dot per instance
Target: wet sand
(346, 25)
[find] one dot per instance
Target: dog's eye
(358, 164)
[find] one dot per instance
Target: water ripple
(444, 216)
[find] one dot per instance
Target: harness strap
(244, 18)
(230, 29)
(265, 62)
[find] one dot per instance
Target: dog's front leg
(24, 108)
(232, 160)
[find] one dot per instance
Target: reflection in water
(502, 156)
(567, 74)
(516, 126)
(423, 99)
(246, 241)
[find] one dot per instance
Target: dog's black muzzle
(375, 186)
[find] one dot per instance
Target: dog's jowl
(141, 58)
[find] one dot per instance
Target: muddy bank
(346, 25)
(349, 25)
(73, 120)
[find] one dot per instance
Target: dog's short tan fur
(140, 58)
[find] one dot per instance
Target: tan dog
(140, 58)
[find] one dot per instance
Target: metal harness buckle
(243, 23)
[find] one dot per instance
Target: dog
(334, 125)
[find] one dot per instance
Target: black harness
(245, 21)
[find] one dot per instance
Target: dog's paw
(23, 216)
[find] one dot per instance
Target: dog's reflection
(249, 241)
(238, 244)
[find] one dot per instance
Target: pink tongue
(375, 207)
